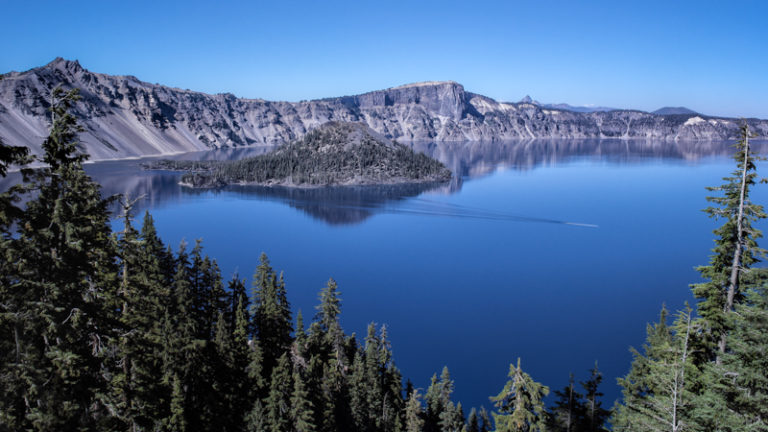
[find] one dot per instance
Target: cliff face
(125, 117)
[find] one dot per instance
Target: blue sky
(709, 56)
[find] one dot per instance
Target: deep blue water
(477, 273)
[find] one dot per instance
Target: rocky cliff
(124, 117)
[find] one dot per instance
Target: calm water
(478, 272)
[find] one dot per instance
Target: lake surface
(558, 252)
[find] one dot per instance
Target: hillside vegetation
(336, 153)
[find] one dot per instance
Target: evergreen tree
(301, 406)
(414, 414)
(183, 351)
(223, 400)
(256, 419)
(735, 391)
(735, 248)
(485, 421)
(520, 403)
(177, 421)
(595, 415)
(656, 393)
(568, 412)
(271, 315)
(63, 286)
(13, 312)
(244, 388)
(473, 421)
(278, 404)
(138, 386)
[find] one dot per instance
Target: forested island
(336, 153)
(105, 330)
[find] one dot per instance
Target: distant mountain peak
(63, 64)
(528, 99)
(673, 111)
(581, 109)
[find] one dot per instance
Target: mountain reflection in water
(342, 205)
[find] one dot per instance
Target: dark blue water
(477, 273)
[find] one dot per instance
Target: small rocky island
(336, 153)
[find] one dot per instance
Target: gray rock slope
(124, 117)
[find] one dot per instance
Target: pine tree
(520, 403)
(735, 391)
(485, 421)
(13, 311)
(223, 379)
(568, 412)
(244, 389)
(64, 285)
(177, 421)
(138, 384)
(301, 406)
(183, 351)
(735, 248)
(414, 414)
(256, 419)
(278, 404)
(271, 314)
(595, 415)
(358, 393)
(473, 421)
(657, 395)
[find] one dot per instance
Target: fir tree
(485, 421)
(568, 412)
(13, 312)
(735, 248)
(278, 404)
(64, 285)
(520, 403)
(414, 414)
(271, 315)
(301, 407)
(244, 388)
(595, 415)
(473, 421)
(656, 392)
(735, 391)
(177, 421)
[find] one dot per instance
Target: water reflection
(469, 160)
(351, 205)
(341, 205)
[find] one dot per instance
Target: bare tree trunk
(679, 383)
(733, 284)
(17, 338)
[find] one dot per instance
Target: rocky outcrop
(124, 117)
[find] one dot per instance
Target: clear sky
(709, 56)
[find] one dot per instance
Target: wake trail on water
(425, 207)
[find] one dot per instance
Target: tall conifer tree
(735, 248)
(520, 403)
(65, 272)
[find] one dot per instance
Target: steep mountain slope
(125, 117)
